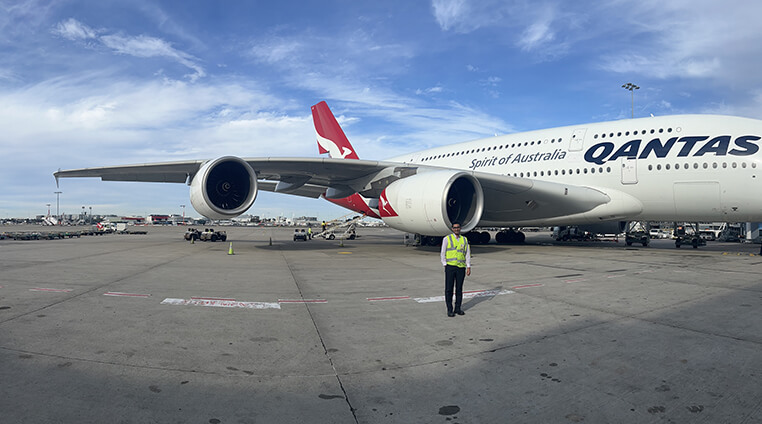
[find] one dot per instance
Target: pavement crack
(320, 337)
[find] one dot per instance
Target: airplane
(597, 176)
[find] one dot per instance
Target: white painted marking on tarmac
(381, 299)
(126, 294)
(211, 298)
(302, 301)
(466, 295)
(50, 290)
(221, 303)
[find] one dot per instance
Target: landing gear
(509, 236)
(430, 240)
(478, 237)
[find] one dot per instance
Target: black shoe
(460, 312)
(451, 314)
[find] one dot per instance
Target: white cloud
(450, 13)
(144, 46)
(72, 29)
(141, 46)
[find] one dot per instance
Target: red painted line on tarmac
(51, 290)
(527, 286)
(575, 281)
(126, 294)
(212, 298)
(302, 301)
(372, 299)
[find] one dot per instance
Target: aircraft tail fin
(330, 137)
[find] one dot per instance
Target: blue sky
(96, 83)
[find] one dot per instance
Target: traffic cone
(230, 251)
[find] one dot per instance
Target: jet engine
(223, 188)
(430, 202)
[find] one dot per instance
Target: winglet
(330, 137)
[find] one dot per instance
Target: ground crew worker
(323, 225)
(309, 233)
(456, 259)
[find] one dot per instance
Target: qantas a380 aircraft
(686, 168)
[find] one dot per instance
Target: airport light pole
(630, 86)
(58, 214)
(183, 206)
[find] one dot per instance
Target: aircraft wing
(506, 198)
(165, 172)
(315, 171)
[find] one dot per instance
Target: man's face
(456, 229)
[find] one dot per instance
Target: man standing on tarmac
(456, 258)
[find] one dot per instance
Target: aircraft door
(577, 140)
(629, 170)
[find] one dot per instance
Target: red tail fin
(330, 138)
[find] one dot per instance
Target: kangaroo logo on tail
(330, 137)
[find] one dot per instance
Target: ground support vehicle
(210, 235)
(637, 237)
(192, 234)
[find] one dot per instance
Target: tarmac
(153, 329)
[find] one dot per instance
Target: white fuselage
(682, 167)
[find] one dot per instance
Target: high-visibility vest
(455, 254)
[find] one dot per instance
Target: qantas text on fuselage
(604, 152)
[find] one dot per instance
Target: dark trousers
(454, 277)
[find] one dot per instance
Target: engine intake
(223, 188)
(428, 203)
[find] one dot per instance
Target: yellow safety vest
(455, 254)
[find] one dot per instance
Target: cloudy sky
(96, 83)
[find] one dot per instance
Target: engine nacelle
(428, 203)
(223, 188)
